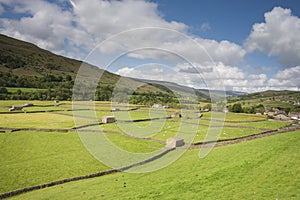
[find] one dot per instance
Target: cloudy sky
(247, 45)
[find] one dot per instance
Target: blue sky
(230, 20)
(249, 45)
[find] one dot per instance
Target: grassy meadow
(257, 169)
(265, 168)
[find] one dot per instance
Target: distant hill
(270, 94)
(204, 94)
(25, 65)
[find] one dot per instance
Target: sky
(246, 46)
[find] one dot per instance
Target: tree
(260, 109)
(237, 108)
(3, 90)
(68, 78)
(287, 110)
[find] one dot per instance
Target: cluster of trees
(12, 62)
(7, 79)
(39, 94)
(60, 87)
(238, 108)
(48, 87)
(154, 98)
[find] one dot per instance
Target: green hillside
(24, 65)
(284, 100)
(270, 94)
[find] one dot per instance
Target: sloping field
(266, 168)
(31, 157)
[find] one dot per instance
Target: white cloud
(286, 78)
(105, 18)
(61, 30)
(199, 76)
(257, 80)
(47, 26)
(277, 36)
(129, 72)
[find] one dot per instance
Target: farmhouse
(176, 114)
(174, 142)
(16, 108)
(108, 119)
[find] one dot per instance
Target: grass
(229, 117)
(15, 89)
(132, 144)
(9, 103)
(35, 157)
(30, 157)
(36, 120)
(263, 124)
(266, 168)
(225, 133)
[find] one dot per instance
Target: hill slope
(266, 168)
(23, 64)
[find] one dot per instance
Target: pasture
(265, 168)
(41, 145)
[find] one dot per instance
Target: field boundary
(4, 129)
(231, 121)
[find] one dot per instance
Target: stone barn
(108, 119)
(115, 109)
(176, 114)
(13, 108)
(199, 115)
(174, 142)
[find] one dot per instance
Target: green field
(36, 120)
(35, 157)
(15, 89)
(266, 168)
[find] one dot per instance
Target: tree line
(59, 87)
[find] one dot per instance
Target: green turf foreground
(265, 168)
(31, 157)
